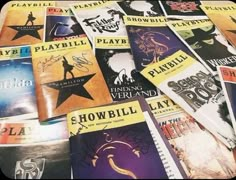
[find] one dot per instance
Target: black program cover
(49, 160)
(117, 64)
(141, 8)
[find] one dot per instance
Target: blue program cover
(17, 90)
(151, 40)
(61, 24)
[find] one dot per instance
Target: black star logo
(27, 30)
(71, 86)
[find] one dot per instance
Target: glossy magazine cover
(24, 23)
(100, 18)
(31, 131)
(188, 83)
(98, 147)
(141, 8)
(182, 9)
(228, 82)
(151, 40)
(17, 84)
(117, 64)
(67, 77)
(61, 24)
(46, 160)
(206, 42)
(200, 153)
(224, 18)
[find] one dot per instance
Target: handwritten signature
(43, 65)
(81, 62)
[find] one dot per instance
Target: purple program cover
(151, 40)
(115, 151)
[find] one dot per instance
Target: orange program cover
(68, 77)
(24, 23)
(224, 17)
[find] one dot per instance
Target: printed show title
(196, 90)
(176, 123)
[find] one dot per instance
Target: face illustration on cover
(210, 44)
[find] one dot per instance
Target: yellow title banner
(112, 42)
(85, 5)
(145, 21)
(41, 49)
(158, 72)
(30, 4)
(14, 52)
(105, 117)
(191, 24)
(162, 106)
(224, 9)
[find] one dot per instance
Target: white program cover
(100, 18)
(192, 87)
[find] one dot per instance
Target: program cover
(24, 23)
(117, 65)
(224, 17)
(200, 153)
(141, 8)
(32, 131)
(182, 9)
(206, 43)
(188, 83)
(151, 40)
(114, 141)
(228, 82)
(68, 77)
(61, 24)
(100, 18)
(17, 85)
(48, 160)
